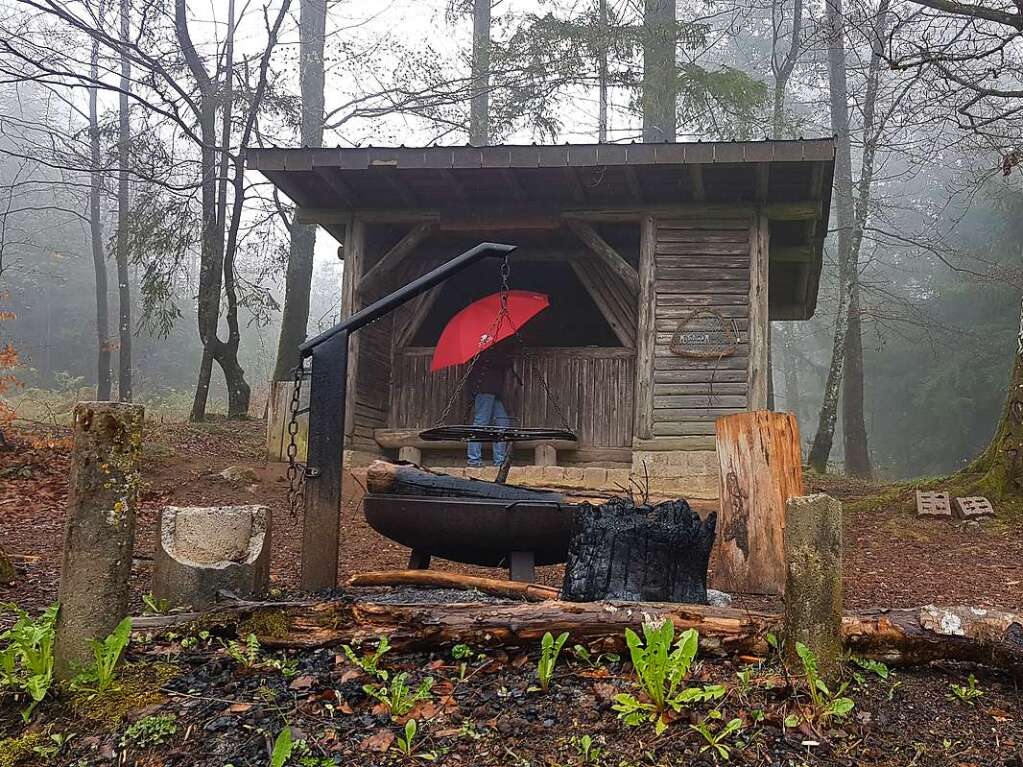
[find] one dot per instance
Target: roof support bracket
(390, 260)
(605, 252)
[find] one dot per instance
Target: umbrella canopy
(482, 324)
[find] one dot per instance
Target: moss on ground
(21, 750)
(138, 685)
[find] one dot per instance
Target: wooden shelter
(663, 263)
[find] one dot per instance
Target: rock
(239, 474)
(717, 598)
(203, 550)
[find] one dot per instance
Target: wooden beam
(699, 194)
(456, 186)
(513, 184)
(610, 256)
(757, 371)
(333, 179)
(401, 191)
(355, 249)
(763, 171)
(645, 335)
(575, 186)
(392, 258)
(802, 254)
(792, 211)
(605, 303)
(420, 307)
(632, 181)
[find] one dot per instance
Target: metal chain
(296, 470)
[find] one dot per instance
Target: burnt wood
(639, 553)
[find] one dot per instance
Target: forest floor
(226, 707)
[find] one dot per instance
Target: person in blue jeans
(489, 380)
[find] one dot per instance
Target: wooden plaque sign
(704, 334)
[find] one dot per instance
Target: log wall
(700, 262)
(592, 387)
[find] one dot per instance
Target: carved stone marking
(974, 507)
(933, 504)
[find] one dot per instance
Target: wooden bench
(410, 447)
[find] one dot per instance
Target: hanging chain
(296, 470)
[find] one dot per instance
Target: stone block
(554, 474)
(618, 479)
(595, 477)
(203, 550)
(933, 504)
(974, 507)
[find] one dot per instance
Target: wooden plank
(703, 248)
(701, 235)
(647, 302)
(704, 388)
(702, 375)
(671, 362)
(666, 429)
(674, 443)
(622, 325)
(704, 399)
(355, 244)
(759, 314)
(599, 245)
(761, 468)
(696, 260)
(702, 286)
(704, 273)
(698, 414)
(418, 309)
(696, 188)
(390, 260)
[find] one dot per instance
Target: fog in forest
(939, 217)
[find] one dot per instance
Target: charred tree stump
(761, 469)
(813, 588)
(99, 531)
(639, 553)
(386, 478)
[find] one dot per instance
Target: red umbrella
(482, 324)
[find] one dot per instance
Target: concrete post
(813, 586)
(99, 532)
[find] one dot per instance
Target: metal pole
(327, 402)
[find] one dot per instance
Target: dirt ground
(890, 558)
(205, 700)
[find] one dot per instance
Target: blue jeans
(488, 410)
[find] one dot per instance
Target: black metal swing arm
(327, 394)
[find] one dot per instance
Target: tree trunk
(844, 219)
(782, 68)
(602, 66)
(659, 71)
(96, 234)
(999, 469)
(761, 469)
(854, 428)
(912, 636)
(479, 105)
(124, 385)
(295, 314)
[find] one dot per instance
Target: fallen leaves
(379, 742)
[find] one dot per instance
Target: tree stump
(761, 468)
(99, 530)
(639, 553)
(813, 587)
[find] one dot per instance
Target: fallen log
(899, 637)
(532, 592)
(387, 478)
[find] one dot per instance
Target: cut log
(761, 468)
(910, 636)
(639, 553)
(531, 592)
(386, 478)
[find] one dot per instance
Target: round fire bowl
(473, 531)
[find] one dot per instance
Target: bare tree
(479, 106)
(124, 329)
(660, 90)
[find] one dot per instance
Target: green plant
(154, 605)
(464, 653)
(716, 740)
(967, 693)
(250, 655)
(282, 749)
(406, 743)
(585, 749)
(873, 666)
(98, 676)
(591, 660)
(57, 742)
(825, 704)
(26, 660)
(370, 664)
(149, 731)
(398, 696)
(550, 649)
(661, 669)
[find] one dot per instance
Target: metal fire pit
(519, 534)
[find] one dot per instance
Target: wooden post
(545, 455)
(410, 454)
(645, 335)
(355, 248)
(758, 313)
(761, 468)
(278, 418)
(99, 532)
(813, 586)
